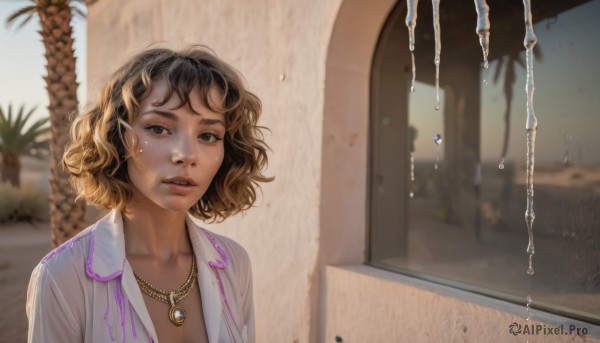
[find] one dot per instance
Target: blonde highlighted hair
(97, 155)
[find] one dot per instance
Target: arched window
(460, 219)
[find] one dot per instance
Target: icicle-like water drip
(531, 126)
(411, 23)
(483, 29)
(438, 49)
(501, 165)
(529, 301)
(437, 139)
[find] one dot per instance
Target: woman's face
(177, 152)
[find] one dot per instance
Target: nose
(183, 152)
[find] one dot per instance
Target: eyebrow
(170, 115)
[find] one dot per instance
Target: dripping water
(531, 126)
(568, 143)
(437, 139)
(411, 23)
(412, 173)
(438, 49)
(529, 301)
(483, 30)
(501, 165)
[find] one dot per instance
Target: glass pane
(464, 216)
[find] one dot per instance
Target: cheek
(147, 158)
(145, 146)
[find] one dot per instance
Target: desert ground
(22, 246)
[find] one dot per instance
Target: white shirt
(85, 290)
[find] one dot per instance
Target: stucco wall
(264, 40)
(365, 304)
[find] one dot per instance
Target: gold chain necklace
(176, 313)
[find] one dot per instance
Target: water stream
(531, 126)
(483, 29)
(437, 139)
(438, 49)
(411, 23)
(412, 173)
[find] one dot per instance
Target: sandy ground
(21, 248)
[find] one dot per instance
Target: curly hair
(96, 157)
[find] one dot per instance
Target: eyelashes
(160, 130)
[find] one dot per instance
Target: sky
(22, 61)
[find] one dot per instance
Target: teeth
(183, 183)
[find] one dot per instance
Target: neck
(159, 233)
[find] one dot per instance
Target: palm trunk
(66, 214)
(11, 166)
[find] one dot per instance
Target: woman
(174, 136)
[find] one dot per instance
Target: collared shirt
(85, 290)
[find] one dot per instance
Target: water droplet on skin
(412, 195)
(435, 166)
(484, 81)
(437, 107)
(501, 165)
(437, 139)
(412, 89)
(281, 77)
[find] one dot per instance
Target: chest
(118, 311)
(193, 328)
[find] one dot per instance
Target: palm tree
(66, 213)
(16, 141)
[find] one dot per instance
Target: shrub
(22, 204)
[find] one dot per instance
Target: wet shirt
(85, 290)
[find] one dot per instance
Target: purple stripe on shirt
(90, 261)
(60, 248)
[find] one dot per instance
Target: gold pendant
(177, 315)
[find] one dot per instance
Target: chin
(176, 205)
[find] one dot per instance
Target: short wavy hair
(97, 154)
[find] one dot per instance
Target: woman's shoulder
(227, 252)
(74, 248)
(60, 276)
(235, 251)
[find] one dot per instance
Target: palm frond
(18, 140)
(27, 11)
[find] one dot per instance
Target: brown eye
(156, 129)
(209, 137)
